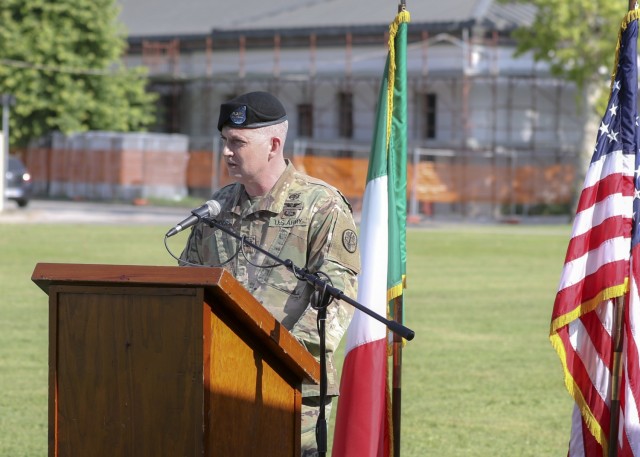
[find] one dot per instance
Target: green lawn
(480, 378)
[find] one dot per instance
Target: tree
(61, 61)
(578, 40)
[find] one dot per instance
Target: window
(345, 115)
(167, 107)
(429, 104)
(305, 120)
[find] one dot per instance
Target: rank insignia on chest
(292, 209)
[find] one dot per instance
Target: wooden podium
(167, 361)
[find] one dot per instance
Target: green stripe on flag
(389, 151)
(397, 160)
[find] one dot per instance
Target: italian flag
(363, 423)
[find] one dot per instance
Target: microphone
(210, 209)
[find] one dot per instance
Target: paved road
(51, 212)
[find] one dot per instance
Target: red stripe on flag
(609, 275)
(633, 355)
(599, 336)
(591, 447)
(631, 370)
(615, 183)
(364, 403)
(612, 227)
(624, 449)
(632, 367)
(598, 407)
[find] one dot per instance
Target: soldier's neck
(265, 182)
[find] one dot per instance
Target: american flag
(602, 271)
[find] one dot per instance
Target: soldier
(291, 215)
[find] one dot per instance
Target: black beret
(251, 111)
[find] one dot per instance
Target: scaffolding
(506, 131)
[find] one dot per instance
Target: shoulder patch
(344, 246)
(350, 240)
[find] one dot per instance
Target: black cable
(183, 262)
(244, 254)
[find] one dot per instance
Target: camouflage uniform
(308, 222)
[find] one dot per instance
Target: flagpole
(396, 383)
(396, 396)
(618, 336)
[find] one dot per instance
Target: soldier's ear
(275, 145)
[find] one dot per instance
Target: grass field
(479, 379)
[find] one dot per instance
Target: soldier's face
(246, 153)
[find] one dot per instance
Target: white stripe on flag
(611, 250)
(596, 368)
(614, 205)
(576, 442)
(372, 281)
(611, 163)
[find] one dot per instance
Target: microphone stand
(321, 423)
(326, 294)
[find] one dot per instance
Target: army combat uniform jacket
(301, 219)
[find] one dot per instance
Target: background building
(490, 134)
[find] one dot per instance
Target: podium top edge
(46, 273)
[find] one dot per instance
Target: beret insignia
(239, 115)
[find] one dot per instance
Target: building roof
(159, 18)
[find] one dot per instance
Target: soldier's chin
(234, 172)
